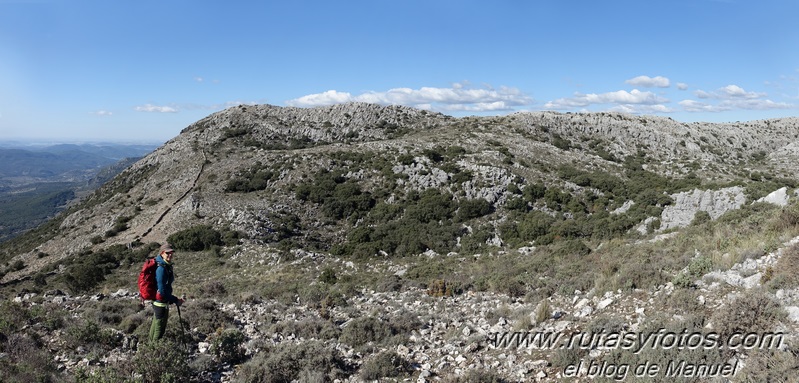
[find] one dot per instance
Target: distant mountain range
(38, 181)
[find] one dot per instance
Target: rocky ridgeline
(454, 334)
(351, 121)
(668, 139)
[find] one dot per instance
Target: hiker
(164, 277)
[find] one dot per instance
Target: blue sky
(144, 70)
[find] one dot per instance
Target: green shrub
(26, 359)
(108, 374)
(386, 364)
(213, 289)
(328, 276)
(700, 218)
(477, 240)
(196, 238)
(340, 198)
(164, 361)
(472, 208)
(291, 362)
(17, 265)
(770, 366)
(89, 334)
(13, 316)
(363, 330)
(682, 280)
(307, 328)
(87, 271)
(754, 311)
(406, 159)
(205, 316)
(517, 204)
(433, 154)
(228, 346)
(476, 376)
(254, 179)
(532, 227)
(785, 274)
(283, 224)
(700, 266)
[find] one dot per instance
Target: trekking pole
(182, 330)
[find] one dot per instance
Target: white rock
(752, 281)
(604, 303)
(203, 347)
(793, 313)
(584, 311)
(778, 197)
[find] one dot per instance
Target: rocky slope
(184, 179)
(482, 331)
(434, 235)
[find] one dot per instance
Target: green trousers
(158, 328)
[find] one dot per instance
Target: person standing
(164, 276)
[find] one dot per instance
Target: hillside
(395, 242)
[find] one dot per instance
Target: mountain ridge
(403, 244)
(246, 134)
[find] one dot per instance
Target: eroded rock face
(714, 202)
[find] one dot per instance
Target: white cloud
(736, 91)
(702, 94)
(732, 97)
(103, 113)
(696, 106)
(754, 104)
(682, 86)
(619, 97)
(729, 92)
(747, 104)
(155, 108)
(641, 109)
(649, 82)
(329, 97)
(459, 97)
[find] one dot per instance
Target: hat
(165, 247)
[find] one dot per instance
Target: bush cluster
(427, 220)
(162, 361)
(203, 237)
(308, 361)
(253, 179)
(339, 197)
(84, 272)
(386, 364)
(228, 346)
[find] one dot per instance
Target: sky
(80, 70)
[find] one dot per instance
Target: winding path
(193, 185)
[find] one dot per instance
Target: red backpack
(148, 287)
